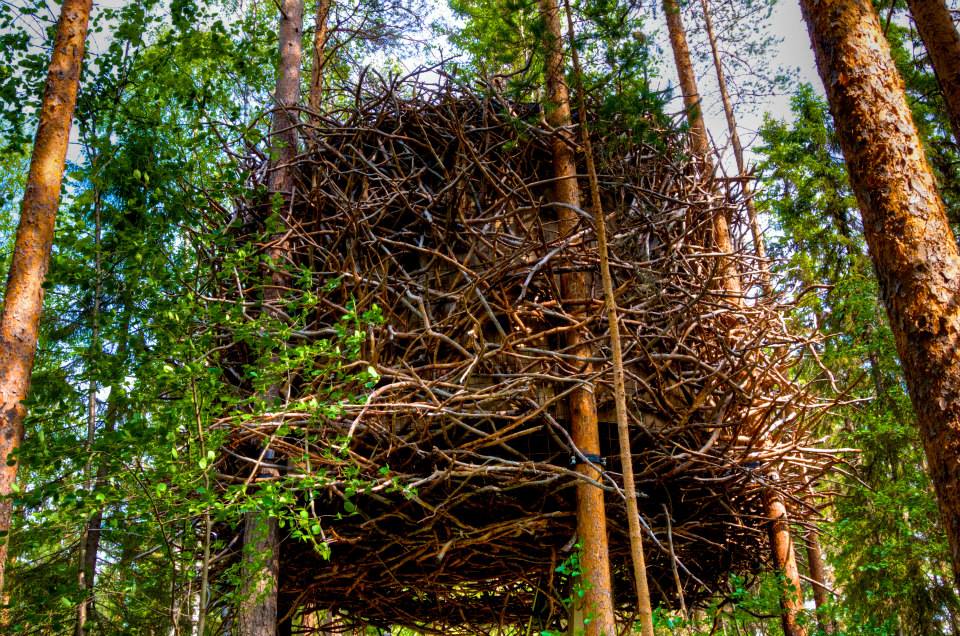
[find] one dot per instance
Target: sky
(794, 51)
(786, 23)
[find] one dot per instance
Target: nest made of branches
(434, 203)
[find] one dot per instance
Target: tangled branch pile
(435, 207)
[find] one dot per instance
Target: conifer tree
(699, 139)
(258, 611)
(942, 41)
(911, 243)
(738, 154)
(576, 288)
(23, 299)
(782, 547)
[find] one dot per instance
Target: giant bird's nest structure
(434, 205)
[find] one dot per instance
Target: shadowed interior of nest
(437, 209)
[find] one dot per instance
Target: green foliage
(149, 159)
(748, 605)
(886, 544)
(505, 40)
(168, 86)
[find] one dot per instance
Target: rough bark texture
(785, 561)
(258, 611)
(699, 141)
(641, 586)
(746, 189)
(23, 300)
(283, 145)
(819, 577)
(905, 225)
(940, 38)
(261, 571)
(576, 290)
(319, 53)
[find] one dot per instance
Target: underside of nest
(434, 205)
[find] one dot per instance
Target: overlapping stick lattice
(437, 209)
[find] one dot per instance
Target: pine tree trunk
(940, 38)
(745, 187)
(261, 574)
(784, 558)
(577, 293)
(637, 557)
(699, 141)
(912, 246)
(285, 118)
(319, 55)
(780, 540)
(23, 300)
(258, 609)
(819, 577)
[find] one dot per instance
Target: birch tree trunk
(940, 38)
(261, 567)
(912, 246)
(23, 299)
(576, 290)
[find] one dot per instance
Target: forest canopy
(478, 316)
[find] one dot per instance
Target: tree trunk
(745, 188)
(23, 300)
(638, 559)
(94, 528)
(285, 119)
(729, 281)
(88, 561)
(819, 577)
(780, 540)
(261, 573)
(912, 246)
(319, 55)
(940, 38)
(258, 609)
(784, 559)
(577, 295)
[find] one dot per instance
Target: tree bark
(258, 608)
(283, 134)
(745, 188)
(819, 577)
(261, 574)
(780, 540)
(638, 559)
(699, 141)
(912, 246)
(942, 42)
(576, 290)
(23, 300)
(784, 558)
(319, 55)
